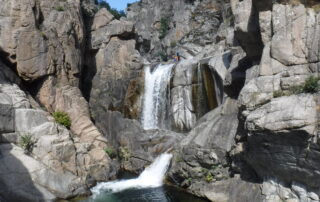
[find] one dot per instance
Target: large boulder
(201, 155)
(24, 178)
(52, 32)
(113, 63)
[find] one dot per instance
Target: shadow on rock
(16, 176)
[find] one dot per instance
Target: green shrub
(124, 153)
(164, 27)
(60, 8)
(209, 177)
(62, 118)
(26, 143)
(278, 93)
(311, 85)
(110, 151)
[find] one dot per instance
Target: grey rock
(62, 29)
(283, 48)
(258, 91)
(285, 114)
(26, 119)
(182, 108)
(18, 97)
(100, 37)
(102, 18)
(118, 63)
(231, 190)
(25, 179)
(272, 190)
(6, 114)
(185, 21)
(218, 122)
(140, 146)
(201, 154)
(246, 25)
(10, 138)
(265, 18)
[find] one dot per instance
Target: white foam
(155, 96)
(151, 177)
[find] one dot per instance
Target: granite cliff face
(244, 122)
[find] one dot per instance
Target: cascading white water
(151, 177)
(154, 112)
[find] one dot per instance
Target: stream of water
(148, 187)
(151, 177)
(155, 102)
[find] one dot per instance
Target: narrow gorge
(200, 100)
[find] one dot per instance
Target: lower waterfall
(151, 177)
(155, 103)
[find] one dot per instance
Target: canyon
(239, 111)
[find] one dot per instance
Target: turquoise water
(160, 194)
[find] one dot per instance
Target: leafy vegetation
(26, 143)
(110, 151)
(310, 86)
(124, 153)
(209, 177)
(103, 4)
(164, 27)
(60, 8)
(62, 118)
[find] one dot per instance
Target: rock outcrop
(281, 128)
(52, 169)
(44, 42)
(162, 25)
(113, 62)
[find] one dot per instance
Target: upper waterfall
(155, 103)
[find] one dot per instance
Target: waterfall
(200, 92)
(151, 177)
(155, 103)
